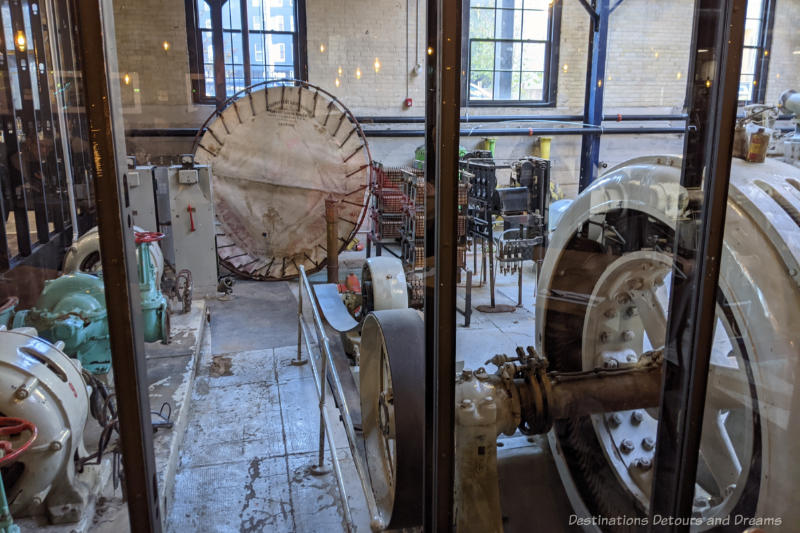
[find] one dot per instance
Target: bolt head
(648, 443)
(626, 446)
(465, 404)
(631, 312)
(614, 419)
(610, 313)
(604, 337)
(21, 393)
(55, 445)
(700, 501)
(628, 335)
(643, 463)
(610, 362)
(637, 417)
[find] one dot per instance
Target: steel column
(714, 71)
(98, 59)
(442, 142)
(593, 99)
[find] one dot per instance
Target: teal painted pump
(72, 309)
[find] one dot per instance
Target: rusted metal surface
(277, 152)
(332, 232)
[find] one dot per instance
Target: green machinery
(72, 309)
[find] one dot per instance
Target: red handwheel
(13, 426)
(147, 236)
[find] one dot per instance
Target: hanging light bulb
(377, 65)
(165, 44)
(321, 48)
(126, 79)
(430, 50)
(337, 82)
(708, 83)
(340, 71)
(358, 73)
(565, 68)
(21, 41)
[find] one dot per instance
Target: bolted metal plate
(276, 152)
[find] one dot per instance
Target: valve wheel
(9, 427)
(393, 413)
(141, 237)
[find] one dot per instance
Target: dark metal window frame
(552, 45)
(194, 36)
(764, 44)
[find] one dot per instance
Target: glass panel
(533, 56)
(507, 56)
(231, 15)
(480, 85)
(482, 55)
(481, 3)
(532, 85)
(542, 5)
(752, 32)
(505, 87)
(534, 25)
(746, 88)
(508, 24)
(481, 23)
(203, 14)
(749, 60)
(754, 9)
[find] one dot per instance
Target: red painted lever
(191, 218)
(12, 426)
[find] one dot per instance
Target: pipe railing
(320, 382)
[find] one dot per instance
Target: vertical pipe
(593, 99)
(717, 40)
(95, 26)
(332, 228)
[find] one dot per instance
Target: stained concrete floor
(253, 430)
(254, 424)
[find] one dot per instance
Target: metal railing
(320, 380)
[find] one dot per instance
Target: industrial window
(237, 43)
(755, 55)
(509, 46)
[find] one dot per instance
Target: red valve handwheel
(13, 426)
(147, 236)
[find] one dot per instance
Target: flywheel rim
(277, 150)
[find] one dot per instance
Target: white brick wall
(647, 61)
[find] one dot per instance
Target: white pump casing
(44, 386)
(389, 289)
(89, 244)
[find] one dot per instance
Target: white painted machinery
(141, 191)
(593, 379)
(41, 384)
(192, 224)
(84, 254)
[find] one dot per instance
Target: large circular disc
(392, 378)
(277, 151)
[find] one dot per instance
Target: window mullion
(245, 44)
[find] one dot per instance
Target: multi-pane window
(259, 42)
(509, 48)
(756, 50)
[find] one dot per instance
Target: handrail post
(299, 361)
(321, 468)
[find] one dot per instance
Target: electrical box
(142, 197)
(192, 224)
(163, 215)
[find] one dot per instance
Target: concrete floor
(253, 430)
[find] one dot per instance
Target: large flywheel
(392, 378)
(277, 151)
(602, 302)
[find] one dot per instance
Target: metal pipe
(331, 215)
(604, 393)
(343, 409)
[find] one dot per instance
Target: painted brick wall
(646, 71)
